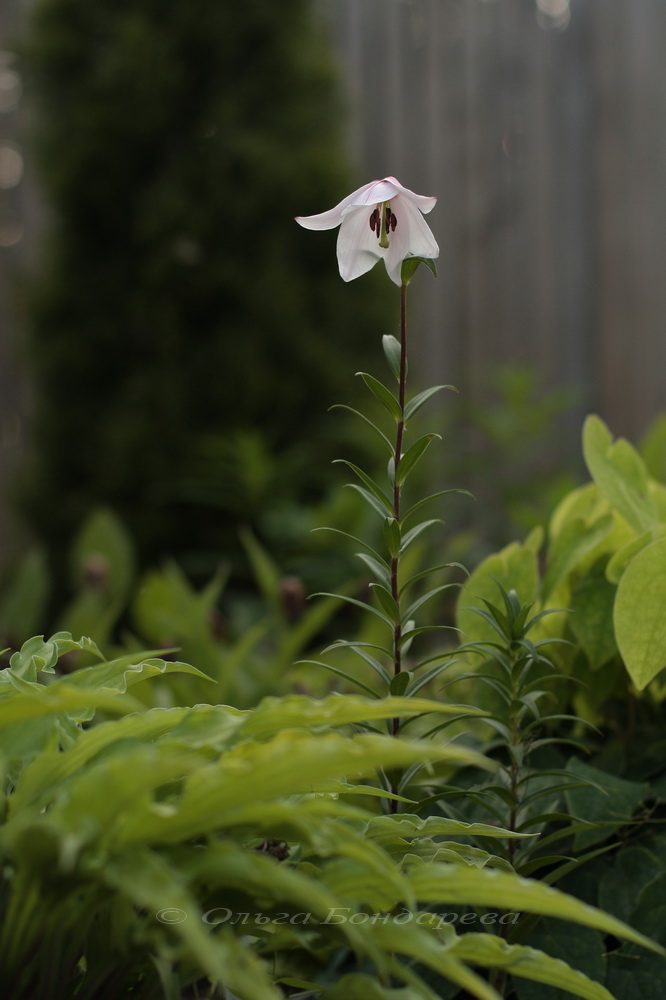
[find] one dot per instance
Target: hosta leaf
(473, 887)
(386, 829)
(120, 674)
(273, 715)
(359, 986)
(576, 539)
(62, 698)
(151, 884)
(492, 952)
(256, 772)
(417, 942)
(40, 655)
(206, 726)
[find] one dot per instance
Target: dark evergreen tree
(177, 302)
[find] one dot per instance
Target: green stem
(395, 561)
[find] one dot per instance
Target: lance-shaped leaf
(392, 353)
(415, 404)
(376, 490)
(492, 952)
(384, 395)
(481, 887)
(412, 456)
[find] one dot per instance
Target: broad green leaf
(62, 698)
(653, 448)
(490, 951)
(575, 541)
(620, 474)
(488, 887)
(206, 726)
(118, 675)
(620, 887)
(266, 572)
(584, 502)
(359, 986)
(428, 949)
(169, 611)
(252, 773)
(104, 546)
(591, 620)
(618, 563)
(153, 885)
(273, 715)
(611, 804)
(514, 568)
(412, 456)
(385, 829)
(640, 622)
(384, 395)
(38, 655)
(25, 596)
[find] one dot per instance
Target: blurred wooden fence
(541, 126)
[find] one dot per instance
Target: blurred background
(171, 341)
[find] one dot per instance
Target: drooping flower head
(381, 221)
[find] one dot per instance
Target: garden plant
(411, 842)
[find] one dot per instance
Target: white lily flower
(381, 221)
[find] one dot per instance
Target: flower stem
(395, 560)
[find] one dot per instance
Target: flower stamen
(383, 222)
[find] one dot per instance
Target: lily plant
(383, 220)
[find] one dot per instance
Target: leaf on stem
(384, 395)
(415, 404)
(376, 490)
(412, 456)
(392, 352)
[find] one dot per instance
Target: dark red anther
(394, 222)
(374, 221)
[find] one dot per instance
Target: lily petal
(425, 203)
(358, 247)
(412, 238)
(333, 218)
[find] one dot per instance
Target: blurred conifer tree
(176, 302)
